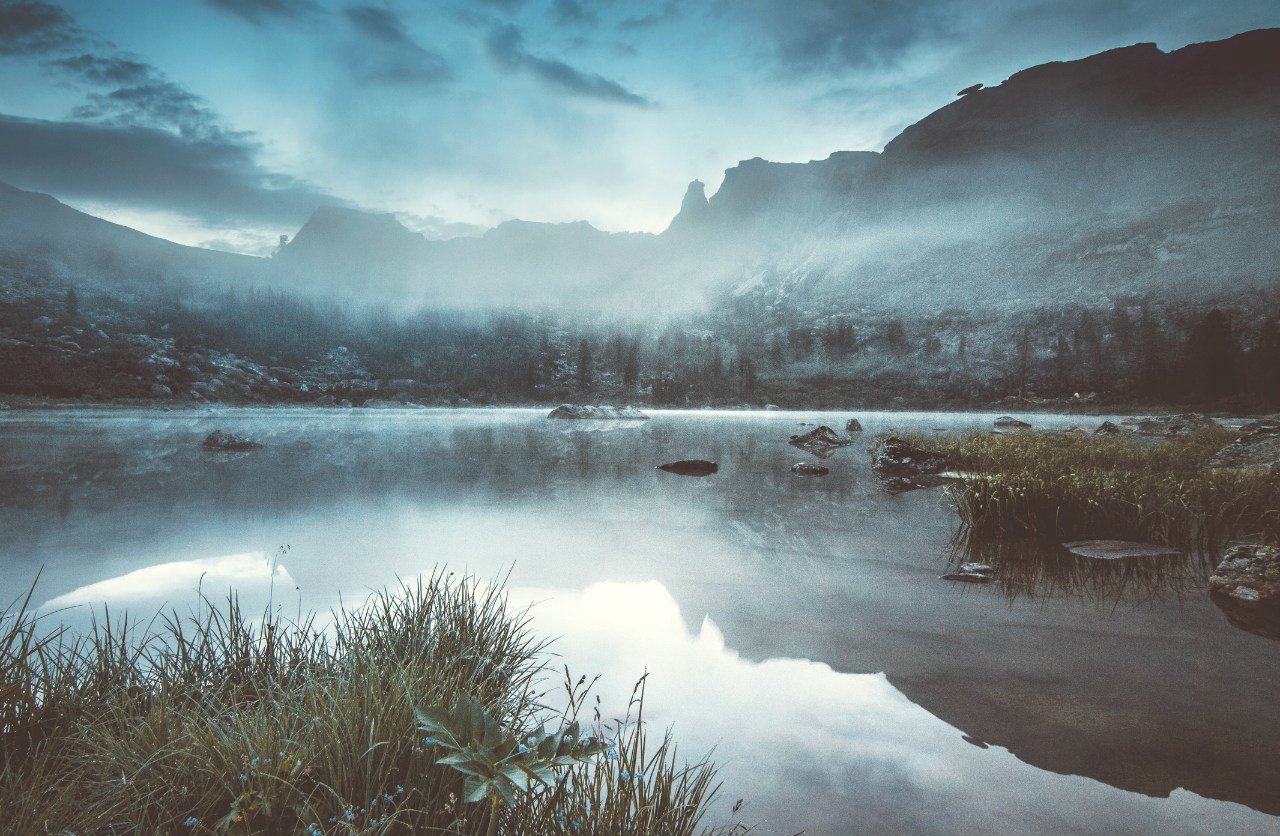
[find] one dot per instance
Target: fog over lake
(796, 625)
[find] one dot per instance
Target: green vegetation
(1062, 486)
(417, 713)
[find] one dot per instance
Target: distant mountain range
(1134, 172)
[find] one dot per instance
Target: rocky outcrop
(228, 442)
(1170, 426)
(690, 467)
(902, 466)
(808, 469)
(1246, 587)
(598, 413)
(1258, 446)
(821, 441)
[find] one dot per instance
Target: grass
(1061, 486)
(216, 723)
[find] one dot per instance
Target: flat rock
(972, 573)
(598, 413)
(807, 469)
(1118, 549)
(690, 467)
(219, 440)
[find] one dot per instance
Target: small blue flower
(639, 776)
(279, 754)
(399, 790)
(429, 741)
(243, 777)
(521, 748)
(333, 820)
(624, 775)
(387, 798)
(256, 760)
(349, 815)
(191, 821)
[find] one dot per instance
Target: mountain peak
(694, 208)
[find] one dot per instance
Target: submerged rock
(821, 441)
(219, 440)
(690, 467)
(972, 573)
(598, 413)
(1005, 422)
(807, 469)
(1118, 549)
(1246, 587)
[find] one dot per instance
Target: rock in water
(1246, 587)
(821, 441)
(598, 413)
(1005, 422)
(1108, 428)
(807, 469)
(903, 467)
(853, 425)
(690, 467)
(1118, 549)
(218, 440)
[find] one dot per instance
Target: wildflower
(256, 760)
(191, 821)
(624, 775)
(243, 777)
(349, 815)
(521, 748)
(429, 741)
(399, 790)
(333, 820)
(387, 798)
(639, 776)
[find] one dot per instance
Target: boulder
(1108, 428)
(159, 390)
(1170, 426)
(853, 426)
(821, 441)
(972, 573)
(1006, 422)
(1246, 587)
(807, 469)
(598, 413)
(1118, 549)
(1257, 446)
(219, 440)
(690, 467)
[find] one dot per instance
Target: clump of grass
(220, 724)
(1066, 487)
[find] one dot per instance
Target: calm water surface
(797, 625)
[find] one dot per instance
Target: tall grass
(1068, 487)
(217, 723)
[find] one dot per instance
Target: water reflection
(854, 669)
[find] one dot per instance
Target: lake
(797, 625)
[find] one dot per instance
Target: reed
(1071, 487)
(220, 723)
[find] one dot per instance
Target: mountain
(1131, 173)
(53, 240)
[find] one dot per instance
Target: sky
(225, 123)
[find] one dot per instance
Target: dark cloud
(35, 28)
(401, 59)
(506, 47)
(96, 69)
(216, 180)
(260, 12)
(837, 35)
(573, 13)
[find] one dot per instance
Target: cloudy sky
(226, 122)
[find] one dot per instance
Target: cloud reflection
(253, 575)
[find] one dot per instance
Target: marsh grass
(1060, 486)
(219, 723)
